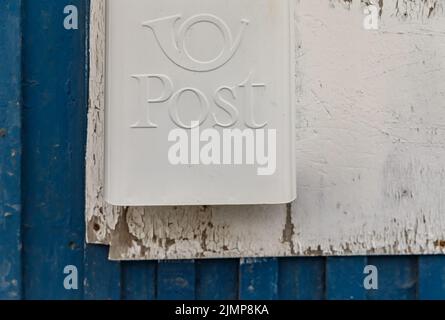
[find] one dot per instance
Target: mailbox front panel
(199, 102)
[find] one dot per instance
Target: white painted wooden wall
(370, 148)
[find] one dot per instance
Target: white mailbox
(200, 106)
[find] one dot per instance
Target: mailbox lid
(213, 71)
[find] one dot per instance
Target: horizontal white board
(370, 148)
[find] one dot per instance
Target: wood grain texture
(54, 135)
(102, 218)
(370, 149)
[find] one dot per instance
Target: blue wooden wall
(43, 110)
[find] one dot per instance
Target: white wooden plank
(370, 149)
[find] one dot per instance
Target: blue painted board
(176, 280)
(217, 279)
(397, 278)
(139, 280)
(259, 279)
(344, 278)
(431, 278)
(301, 278)
(10, 149)
(54, 135)
(103, 280)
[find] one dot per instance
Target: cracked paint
(370, 151)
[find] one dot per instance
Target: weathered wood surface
(370, 148)
(10, 150)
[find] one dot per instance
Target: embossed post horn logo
(172, 40)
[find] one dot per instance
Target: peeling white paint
(101, 218)
(370, 148)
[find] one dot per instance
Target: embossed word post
(199, 103)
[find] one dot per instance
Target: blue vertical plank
(259, 279)
(176, 280)
(397, 278)
(102, 277)
(301, 279)
(139, 280)
(217, 279)
(344, 278)
(54, 135)
(431, 278)
(10, 149)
